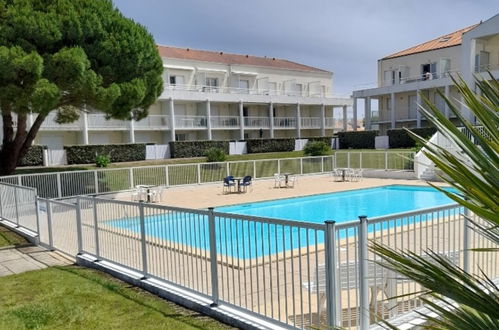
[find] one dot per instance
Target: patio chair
(278, 180)
(247, 182)
(337, 175)
(228, 183)
(138, 194)
(357, 175)
(292, 180)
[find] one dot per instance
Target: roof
(448, 40)
(226, 58)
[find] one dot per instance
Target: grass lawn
(8, 238)
(77, 298)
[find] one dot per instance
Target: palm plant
(459, 299)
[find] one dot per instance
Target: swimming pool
(250, 239)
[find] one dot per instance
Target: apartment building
(425, 68)
(217, 96)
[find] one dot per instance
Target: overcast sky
(343, 36)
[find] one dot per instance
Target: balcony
(333, 123)
(224, 122)
(191, 121)
(256, 122)
(311, 122)
(153, 121)
(99, 121)
(285, 122)
(50, 124)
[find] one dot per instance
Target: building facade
(217, 96)
(405, 77)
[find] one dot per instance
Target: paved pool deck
(23, 259)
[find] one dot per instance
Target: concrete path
(19, 260)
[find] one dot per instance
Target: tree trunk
(14, 148)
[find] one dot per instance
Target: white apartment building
(217, 96)
(426, 68)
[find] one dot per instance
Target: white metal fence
(295, 274)
(74, 183)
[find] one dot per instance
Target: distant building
(426, 68)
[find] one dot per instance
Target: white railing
(333, 123)
(311, 122)
(287, 272)
(285, 122)
(258, 122)
(407, 80)
(190, 121)
(74, 183)
(50, 123)
(224, 121)
(100, 121)
(153, 121)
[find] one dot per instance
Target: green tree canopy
(58, 55)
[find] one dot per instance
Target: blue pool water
(247, 239)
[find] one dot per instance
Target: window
(211, 84)
(244, 86)
(444, 67)
(413, 107)
(429, 71)
(482, 61)
(245, 111)
(272, 88)
(388, 78)
(299, 89)
(176, 80)
(180, 137)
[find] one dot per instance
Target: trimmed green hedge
(357, 140)
(186, 149)
(33, 157)
(270, 145)
(325, 139)
(400, 138)
(85, 154)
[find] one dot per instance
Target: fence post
(278, 166)
(59, 189)
(79, 235)
(466, 241)
(49, 223)
(322, 164)
(1, 202)
(96, 182)
(167, 179)
(348, 159)
(301, 165)
(254, 169)
(199, 173)
(96, 231)
(16, 206)
(363, 287)
(37, 214)
(213, 257)
(332, 300)
(335, 160)
(143, 239)
(386, 161)
(360, 160)
(130, 174)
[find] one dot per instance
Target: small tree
(60, 55)
(215, 155)
(316, 148)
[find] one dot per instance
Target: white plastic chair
(292, 180)
(278, 179)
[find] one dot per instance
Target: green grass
(78, 298)
(9, 238)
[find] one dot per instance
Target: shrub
(186, 149)
(357, 140)
(316, 148)
(325, 139)
(86, 154)
(102, 160)
(33, 157)
(400, 138)
(215, 155)
(270, 145)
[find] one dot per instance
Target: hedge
(85, 154)
(325, 139)
(33, 157)
(357, 139)
(270, 145)
(400, 138)
(186, 149)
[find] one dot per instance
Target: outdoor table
(343, 172)
(238, 183)
(286, 178)
(148, 190)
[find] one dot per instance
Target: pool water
(249, 239)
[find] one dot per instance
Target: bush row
(325, 139)
(400, 138)
(270, 145)
(85, 154)
(357, 140)
(33, 157)
(186, 149)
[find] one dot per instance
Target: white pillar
(354, 126)
(447, 95)
(367, 113)
(298, 121)
(418, 114)
(84, 131)
(392, 110)
(208, 119)
(323, 120)
(132, 130)
(468, 70)
(241, 121)
(271, 119)
(345, 119)
(172, 119)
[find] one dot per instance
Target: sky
(346, 37)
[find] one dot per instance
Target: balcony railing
(311, 122)
(100, 121)
(190, 121)
(258, 122)
(153, 121)
(333, 123)
(285, 122)
(50, 123)
(408, 80)
(224, 122)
